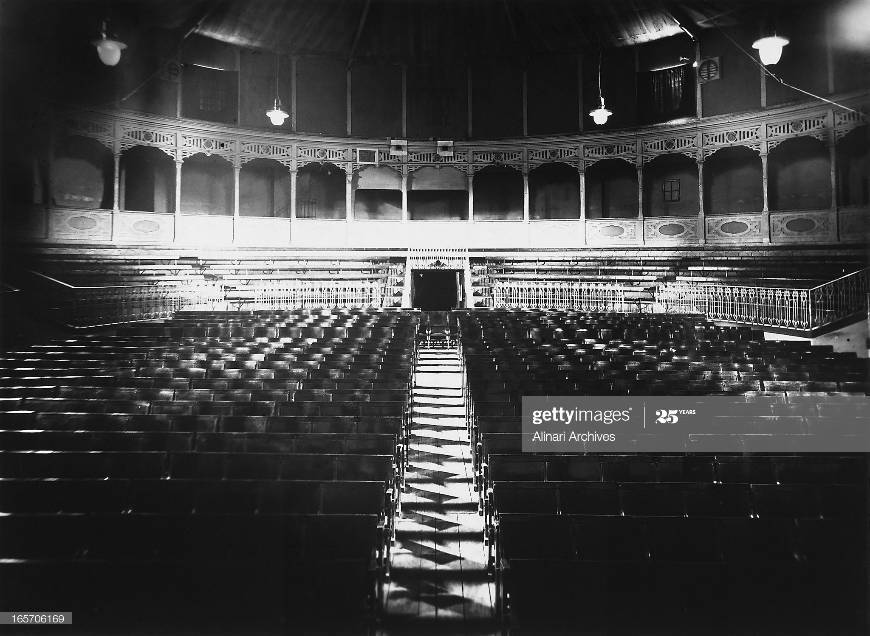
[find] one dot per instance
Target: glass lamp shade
(109, 50)
(277, 115)
(600, 114)
(770, 48)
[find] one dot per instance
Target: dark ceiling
(425, 29)
(394, 30)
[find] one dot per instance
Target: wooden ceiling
(419, 30)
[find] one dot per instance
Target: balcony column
(178, 164)
(348, 195)
(765, 209)
(293, 173)
(526, 215)
(470, 196)
(832, 154)
(116, 181)
(702, 224)
(582, 173)
(640, 200)
(237, 169)
(404, 195)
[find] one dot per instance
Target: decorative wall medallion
(800, 224)
(672, 229)
(146, 226)
(611, 230)
(734, 227)
(82, 223)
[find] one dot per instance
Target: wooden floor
(439, 581)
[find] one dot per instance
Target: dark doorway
(436, 290)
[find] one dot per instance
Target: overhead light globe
(108, 49)
(600, 114)
(277, 115)
(770, 48)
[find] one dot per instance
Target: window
(212, 97)
(671, 190)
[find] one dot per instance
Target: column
(122, 202)
(178, 164)
(702, 223)
(237, 169)
(404, 194)
(641, 229)
(470, 196)
(526, 215)
(348, 195)
(765, 210)
(832, 154)
(116, 195)
(583, 203)
(293, 173)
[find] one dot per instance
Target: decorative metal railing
(313, 293)
(802, 309)
(560, 295)
(92, 306)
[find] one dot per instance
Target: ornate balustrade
(105, 305)
(311, 294)
(559, 295)
(179, 139)
(798, 309)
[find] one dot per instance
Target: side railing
(93, 306)
(560, 295)
(801, 309)
(312, 294)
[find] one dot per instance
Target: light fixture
(770, 48)
(108, 48)
(277, 115)
(600, 114)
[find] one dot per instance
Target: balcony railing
(559, 295)
(92, 306)
(310, 294)
(798, 309)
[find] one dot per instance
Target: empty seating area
(693, 541)
(237, 468)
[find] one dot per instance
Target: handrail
(844, 276)
(71, 286)
(802, 309)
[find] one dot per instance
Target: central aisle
(439, 580)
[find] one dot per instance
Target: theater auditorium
(387, 317)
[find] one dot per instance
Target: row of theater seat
(656, 541)
(229, 457)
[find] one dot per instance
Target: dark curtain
(666, 94)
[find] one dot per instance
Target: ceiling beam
(682, 19)
(359, 31)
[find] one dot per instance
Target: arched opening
(147, 180)
(82, 174)
(611, 190)
(498, 194)
(377, 194)
(799, 175)
(320, 192)
(437, 194)
(207, 185)
(670, 186)
(554, 192)
(264, 189)
(732, 181)
(852, 169)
